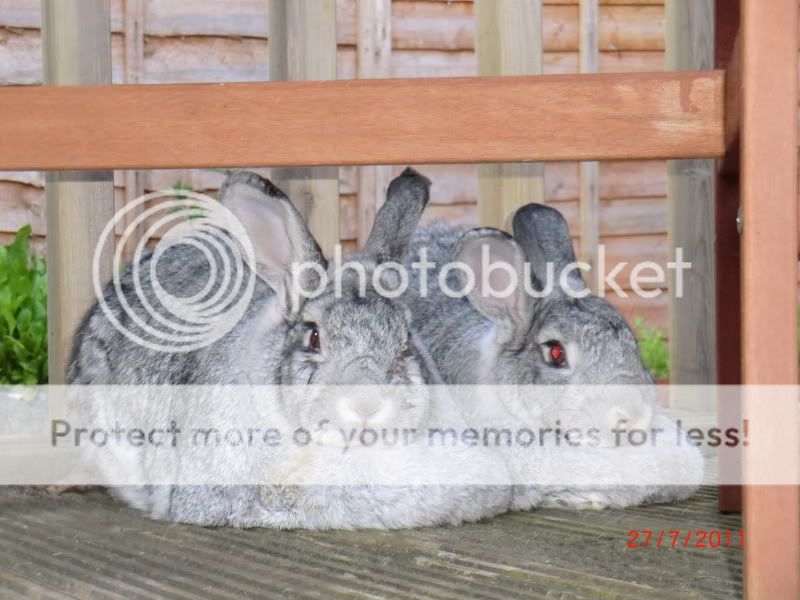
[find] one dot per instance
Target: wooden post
(302, 46)
(374, 51)
(509, 42)
(727, 260)
(590, 170)
(133, 16)
(76, 44)
(690, 207)
(769, 100)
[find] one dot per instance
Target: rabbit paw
(577, 500)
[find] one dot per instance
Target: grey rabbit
(552, 339)
(284, 339)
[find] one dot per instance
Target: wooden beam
(509, 42)
(374, 52)
(302, 47)
(690, 206)
(590, 170)
(76, 44)
(437, 120)
(769, 42)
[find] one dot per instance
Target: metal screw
(739, 220)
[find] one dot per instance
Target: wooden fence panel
(200, 40)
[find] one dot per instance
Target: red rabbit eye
(312, 339)
(555, 353)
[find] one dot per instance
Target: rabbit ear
(498, 265)
(398, 217)
(281, 241)
(543, 234)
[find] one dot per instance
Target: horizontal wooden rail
(441, 120)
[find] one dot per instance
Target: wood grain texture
(303, 48)
(642, 115)
(728, 259)
(509, 43)
(458, 183)
(769, 42)
(207, 41)
(451, 26)
(77, 49)
(374, 48)
(589, 170)
(632, 193)
(133, 26)
(690, 198)
(417, 25)
(93, 547)
(728, 166)
(196, 59)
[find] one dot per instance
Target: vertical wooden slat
(278, 40)
(302, 46)
(690, 207)
(76, 44)
(134, 64)
(509, 42)
(769, 289)
(727, 261)
(590, 170)
(374, 51)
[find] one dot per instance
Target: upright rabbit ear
(398, 217)
(498, 265)
(543, 234)
(282, 243)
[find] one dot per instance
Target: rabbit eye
(555, 354)
(312, 341)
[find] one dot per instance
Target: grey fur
(396, 221)
(365, 339)
(483, 341)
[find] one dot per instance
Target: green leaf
(23, 312)
(653, 348)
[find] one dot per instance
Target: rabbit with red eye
(312, 348)
(548, 331)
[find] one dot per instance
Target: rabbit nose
(358, 410)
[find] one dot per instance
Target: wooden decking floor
(87, 546)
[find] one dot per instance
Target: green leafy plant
(193, 211)
(23, 313)
(653, 348)
(180, 190)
